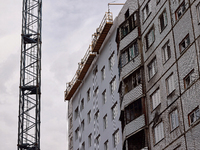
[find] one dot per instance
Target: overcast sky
(67, 28)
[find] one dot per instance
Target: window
(96, 91)
(90, 140)
(82, 105)
(88, 94)
(163, 20)
(106, 145)
(189, 79)
(116, 137)
(104, 96)
(70, 123)
(71, 142)
(83, 125)
(76, 133)
(170, 84)
(98, 140)
(83, 146)
(198, 12)
(97, 116)
(159, 132)
(105, 121)
(132, 81)
(152, 68)
(113, 85)
(133, 110)
(184, 43)
(89, 117)
(76, 113)
(126, 14)
(174, 119)
(137, 141)
(179, 12)
(128, 25)
(194, 116)
(150, 37)
(111, 61)
(166, 52)
(114, 111)
(155, 97)
(103, 75)
(146, 11)
(129, 53)
(95, 71)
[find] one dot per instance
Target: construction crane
(30, 77)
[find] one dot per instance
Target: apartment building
(93, 96)
(158, 52)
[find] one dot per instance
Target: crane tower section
(30, 77)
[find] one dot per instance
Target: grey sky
(67, 28)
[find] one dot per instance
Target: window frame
(113, 85)
(89, 117)
(114, 111)
(157, 91)
(147, 37)
(152, 65)
(77, 133)
(96, 92)
(105, 122)
(76, 113)
(88, 95)
(166, 52)
(179, 8)
(176, 116)
(106, 146)
(111, 61)
(165, 20)
(169, 92)
(127, 54)
(146, 11)
(132, 81)
(103, 74)
(130, 23)
(83, 125)
(97, 116)
(195, 116)
(98, 138)
(104, 96)
(186, 86)
(116, 138)
(132, 110)
(157, 139)
(82, 104)
(90, 140)
(186, 40)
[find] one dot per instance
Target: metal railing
(108, 18)
(80, 67)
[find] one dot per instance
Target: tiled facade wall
(180, 64)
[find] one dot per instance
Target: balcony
(97, 40)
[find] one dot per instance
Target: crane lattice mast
(30, 77)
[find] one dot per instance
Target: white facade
(95, 105)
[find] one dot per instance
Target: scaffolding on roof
(97, 40)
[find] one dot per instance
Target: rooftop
(97, 40)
